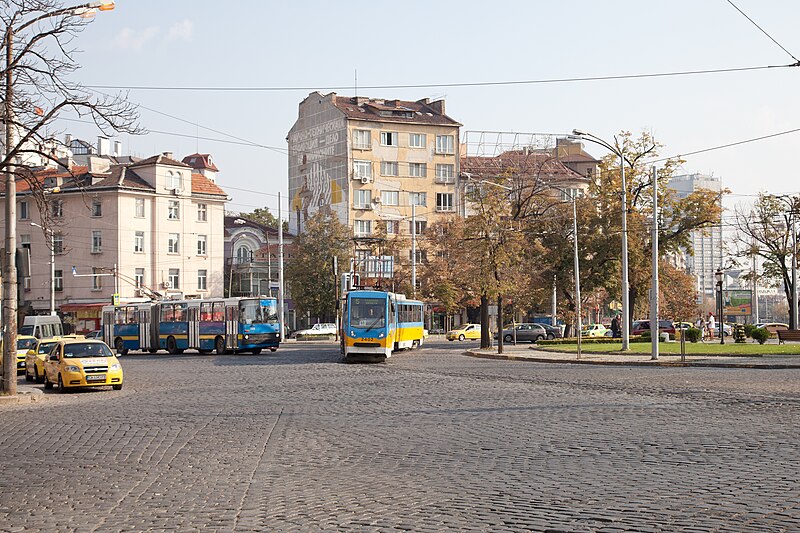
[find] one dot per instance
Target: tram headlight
(381, 335)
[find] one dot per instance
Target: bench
(788, 335)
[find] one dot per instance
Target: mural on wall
(317, 168)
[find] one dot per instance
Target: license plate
(98, 377)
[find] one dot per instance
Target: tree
(766, 231)
(263, 216)
(309, 275)
(37, 89)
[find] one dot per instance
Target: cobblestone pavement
(431, 441)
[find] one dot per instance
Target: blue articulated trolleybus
(377, 323)
(221, 325)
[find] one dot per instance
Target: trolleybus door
(231, 326)
(108, 327)
(194, 326)
(144, 329)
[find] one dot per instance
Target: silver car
(527, 332)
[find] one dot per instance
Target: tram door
(231, 326)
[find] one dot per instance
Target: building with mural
(371, 162)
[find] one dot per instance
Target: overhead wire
(764, 32)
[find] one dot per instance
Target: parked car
(526, 332)
(322, 328)
(24, 343)
(34, 360)
(467, 331)
(553, 332)
(772, 327)
(664, 326)
(593, 330)
(81, 363)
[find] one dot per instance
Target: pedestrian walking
(701, 325)
(615, 329)
(711, 325)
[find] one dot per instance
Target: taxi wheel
(47, 384)
(39, 377)
(461, 337)
(61, 387)
(219, 346)
(117, 387)
(28, 376)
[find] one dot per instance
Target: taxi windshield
(45, 347)
(25, 344)
(87, 349)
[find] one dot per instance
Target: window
(97, 208)
(97, 280)
(57, 208)
(417, 170)
(138, 242)
(422, 256)
(202, 242)
(23, 210)
(362, 169)
(173, 243)
(392, 227)
(58, 280)
(139, 208)
(389, 138)
(174, 180)
(390, 197)
(202, 212)
(97, 241)
(389, 168)
(444, 201)
(174, 278)
(362, 227)
(58, 243)
(25, 241)
(361, 139)
(202, 280)
(362, 199)
(138, 277)
(174, 210)
(417, 198)
(568, 194)
(420, 227)
(243, 254)
(444, 144)
(445, 173)
(416, 140)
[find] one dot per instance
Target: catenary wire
(762, 30)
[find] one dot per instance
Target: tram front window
(258, 311)
(368, 313)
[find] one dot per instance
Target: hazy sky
(318, 45)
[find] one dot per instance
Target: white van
(42, 326)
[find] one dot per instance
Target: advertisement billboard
(737, 303)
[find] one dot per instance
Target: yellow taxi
(24, 343)
(467, 331)
(76, 363)
(34, 361)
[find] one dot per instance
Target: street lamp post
(9, 298)
(719, 275)
(49, 234)
(625, 288)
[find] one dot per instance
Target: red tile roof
(203, 185)
(376, 109)
(200, 162)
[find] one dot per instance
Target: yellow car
(467, 331)
(81, 363)
(24, 343)
(34, 361)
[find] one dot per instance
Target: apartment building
(375, 164)
(155, 226)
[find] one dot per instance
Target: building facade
(375, 164)
(151, 228)
(707, 245)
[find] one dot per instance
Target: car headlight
(115, 366)
(72, 368)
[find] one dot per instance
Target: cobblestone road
(431, 441)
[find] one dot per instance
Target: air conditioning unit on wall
(366, 179)
(166, 285)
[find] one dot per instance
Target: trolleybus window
(368, 312)
(258, 311)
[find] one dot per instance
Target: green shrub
(748, 329)
(693, 334)
(761, 335)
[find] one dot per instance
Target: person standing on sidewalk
(615, 332)
(711, 325)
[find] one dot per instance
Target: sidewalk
(525, 352)
(26, 393)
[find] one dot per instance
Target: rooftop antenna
(355, 87)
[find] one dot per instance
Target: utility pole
(654, 329)
(281, 318)
(9, 263)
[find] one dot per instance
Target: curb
(22, 397)
(709, 364)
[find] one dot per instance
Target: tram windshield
(258, 312)
(368, 313)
